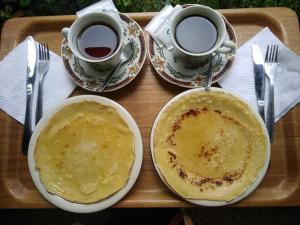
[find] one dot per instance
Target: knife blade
(30, 80)
(259, 79)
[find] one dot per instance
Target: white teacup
(194, 60)
(72, 34)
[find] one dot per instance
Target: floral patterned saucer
(92, 80)
(169, 68)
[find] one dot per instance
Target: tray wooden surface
(143, 98)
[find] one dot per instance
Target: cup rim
(172, 30)
(80, 19)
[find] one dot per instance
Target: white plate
(251, 188)
(102, 204)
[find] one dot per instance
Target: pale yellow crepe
(85, 153)
(209, 146)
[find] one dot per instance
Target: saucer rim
(127, 80)
(188, 84)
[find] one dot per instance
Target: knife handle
(27, 124)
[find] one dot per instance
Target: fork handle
(27, 124)
(39, 104)
(270, 120)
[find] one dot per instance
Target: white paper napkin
(107, 6)
(159, 26)
(57, 84)
(240, 78)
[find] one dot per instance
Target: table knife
(259, 79)
(30, 79)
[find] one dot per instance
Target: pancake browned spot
(219, 144)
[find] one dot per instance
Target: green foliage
(6, 9)
(24, 3)
(63, 7)
(156, 5)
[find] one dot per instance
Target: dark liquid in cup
(98, 41)
(196, 34)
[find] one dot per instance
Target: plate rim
(112, 199)
(258, 178)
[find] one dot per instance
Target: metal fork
(43, 67)
(270, 64)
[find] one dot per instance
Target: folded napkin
(240, 78)
(159, 26)
(107, 6)
(57, 84)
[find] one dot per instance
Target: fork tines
(44, 52)
(271, 54)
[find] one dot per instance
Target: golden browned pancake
(85, 153)
(209, 146)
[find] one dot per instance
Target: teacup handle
(65, 32)
(226, 47)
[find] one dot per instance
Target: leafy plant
(8, 8)
(155, 5)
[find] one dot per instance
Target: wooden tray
(143, 98)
